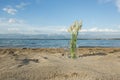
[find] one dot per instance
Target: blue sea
(55, 43)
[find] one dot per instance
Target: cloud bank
(16, 26)
(13, 26)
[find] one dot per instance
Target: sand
(55, 64)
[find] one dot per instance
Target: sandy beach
(55, 64)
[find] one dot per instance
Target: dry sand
(55, 64)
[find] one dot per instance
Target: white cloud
(27, 29)
(22, 5)
(11, 21)
(15, 21)
(14, 9)
(22, 29)
(38, 30)
(10, 10)
(13, 29)
(116, 2)
(13, 25)
(63, 30)
(100, 30)
(119, 26)
(104, 1)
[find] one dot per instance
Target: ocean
(56, 43)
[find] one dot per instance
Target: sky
(55, 16)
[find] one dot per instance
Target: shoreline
(56, 47)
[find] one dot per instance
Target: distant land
(81, 36)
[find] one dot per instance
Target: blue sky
(55, 16)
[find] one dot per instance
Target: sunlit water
(38, 43)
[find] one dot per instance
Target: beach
(55, 64)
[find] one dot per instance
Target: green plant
(74, 30)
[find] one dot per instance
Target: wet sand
(56, 64)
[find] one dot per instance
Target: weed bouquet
(74, 30)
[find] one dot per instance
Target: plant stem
(73, 45)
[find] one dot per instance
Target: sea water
(56, 43)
